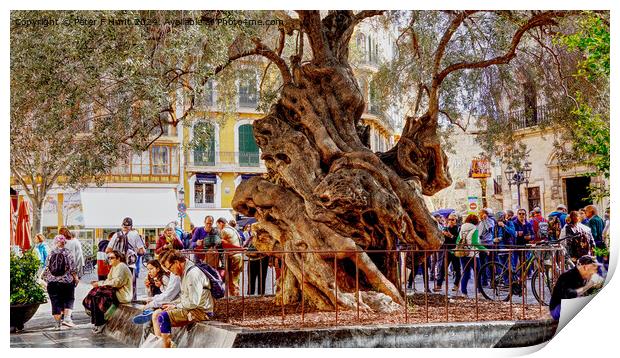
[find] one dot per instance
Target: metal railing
(217, 158)
(524, 118)
(439, 306)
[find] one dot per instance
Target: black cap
(127, 221)
(587, 260)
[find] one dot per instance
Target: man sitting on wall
(575, 282)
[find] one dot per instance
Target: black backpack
(58, 264)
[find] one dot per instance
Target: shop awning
(148, 207)
(197, 216)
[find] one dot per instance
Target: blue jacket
(526, 229)
(505, 234)
(561, 215)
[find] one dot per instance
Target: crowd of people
(582, 235)
(178, 295)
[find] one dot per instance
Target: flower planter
(20, 314)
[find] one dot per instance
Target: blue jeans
(555, 313)
(467, 263)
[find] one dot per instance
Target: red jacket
(162, 242)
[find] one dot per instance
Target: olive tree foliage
(84, 97)
(499, 69)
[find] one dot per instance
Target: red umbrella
(12, 228)
(22, 233)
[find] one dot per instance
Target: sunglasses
(521, 214)
(451, 219)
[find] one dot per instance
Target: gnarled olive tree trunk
(325, 190)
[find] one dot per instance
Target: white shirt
(75, 248)
(170, 293)
(135, 241)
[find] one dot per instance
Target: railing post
(357, 281)
(475, 258)
(227, 275)
(243, 284)
(510, 280)
(303, 278)
(426, 280)
(336, 285)
(523, 277)
(446, 277)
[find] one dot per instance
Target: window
(533, 197)
(140, 163)
(360, 41)
(248, 94)
(204, 190)
(248, 150)
(208, 96)
(205, 154)
(85, 124)
(160, 158)
(373, 100)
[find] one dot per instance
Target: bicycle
(503, 282)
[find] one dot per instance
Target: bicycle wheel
(498, 288)
(542, 290)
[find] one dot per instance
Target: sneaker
(98, 329)
(437, 289)
(143, 317)
(69, 323)
(57, 325)
(455, 288)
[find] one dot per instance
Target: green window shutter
(206, 156)
(248, 150)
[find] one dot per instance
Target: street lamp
(518, 177)
(181, 206)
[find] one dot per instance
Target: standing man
(561, 212)
(128, 242)
(204, 238)
(539, 225)
(231, 240)
(450, 233)
(485, 232)
(575, 282)
(597, 225)
(523, 233)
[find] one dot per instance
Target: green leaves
(24, 286)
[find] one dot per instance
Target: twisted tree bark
(326, 190)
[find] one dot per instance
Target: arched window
(248, 150)
(204, 133)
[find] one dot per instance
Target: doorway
(577, 193)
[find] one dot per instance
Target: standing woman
(61, 277)
(40, 248)
(468, 239)
(102, 300)
(75, 247)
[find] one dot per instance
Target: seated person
(195, 302)
(106, 295)
(575, 282)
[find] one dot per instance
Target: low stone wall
(455, 335)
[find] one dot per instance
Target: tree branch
(544, 18)
(453, 121)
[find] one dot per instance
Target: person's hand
(501, 224)
(95, 283)
(157, 282)
(147, 283)
(519, 233)
(199, 242)
(168, 307)
(527, 237)
(148, 299)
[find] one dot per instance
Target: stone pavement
(77, 337)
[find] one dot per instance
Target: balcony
(226, 161)
(497, 186)
(525, 118)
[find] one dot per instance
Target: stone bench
(198, 335)
(456, 335)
